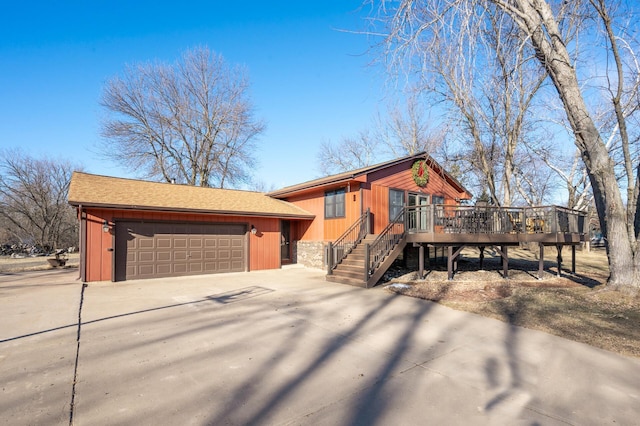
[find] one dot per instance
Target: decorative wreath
(420, 173)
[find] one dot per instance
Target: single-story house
(134, 229)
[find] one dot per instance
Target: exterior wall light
(105, 226)
(254, 231)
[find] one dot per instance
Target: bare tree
(398, 132)
(192, 121)
(489, 109)
(407, 130)
(33, 200)
(349, 153)
(547, 27)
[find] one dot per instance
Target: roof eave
(195, 211)
(299, 189)
(340, 178)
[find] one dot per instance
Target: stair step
(346, 280)
(352, 261)
(351, 269)
(359, 256)
(350, 266)
(349, 274)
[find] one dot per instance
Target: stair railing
(380, 248)
(340, 248)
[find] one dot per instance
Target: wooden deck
(456, 227)
(445, 225)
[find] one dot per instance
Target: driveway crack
(75, 367)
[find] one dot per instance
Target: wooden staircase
(360, 258)
(351, 270)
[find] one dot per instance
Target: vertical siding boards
(263, 247)
(401, 178)
(322, 229)
(313, 203)
(373, 193)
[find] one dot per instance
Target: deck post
(559, 248)
(455, 259)
(449, 262)
(541, 262)
(329, 258)
(573, 259)
(505, 261)
(421, 261)
(481, 257)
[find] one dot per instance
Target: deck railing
(385, 243)
(440, 218)
(340, 248)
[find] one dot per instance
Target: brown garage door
(153, 250)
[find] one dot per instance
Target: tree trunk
(537, 20)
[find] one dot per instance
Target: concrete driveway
(285, 347)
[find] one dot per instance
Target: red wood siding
(264, 246)
(401, 178)
(322, 229)
(313, 203)
(379, 207)
(375, 195)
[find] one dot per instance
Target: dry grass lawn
(575, 306)
(10, 264)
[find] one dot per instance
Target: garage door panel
(146, 243)
(173, 249)
(180, 268)
(146, 270)
(146, 256)
(163, 256)
(163, 242)
(180, 256)
(179, 243)
(210, 255)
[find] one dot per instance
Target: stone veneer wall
(309, 254)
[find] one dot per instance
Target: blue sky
(310, 82)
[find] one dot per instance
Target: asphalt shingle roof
(95, 190)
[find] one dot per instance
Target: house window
(396, 203)
(437, 199)
(334, 203)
